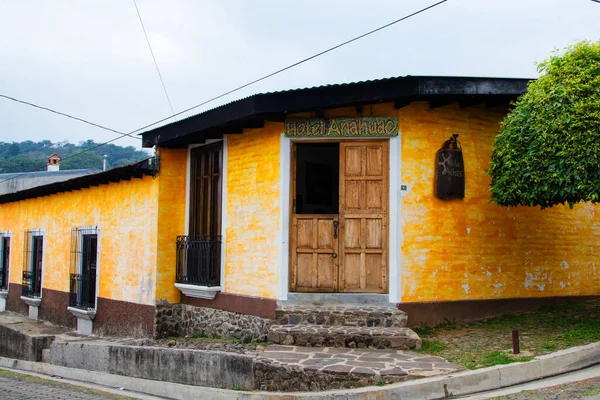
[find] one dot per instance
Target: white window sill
(82, 314)
(201, 292)
(32, 301)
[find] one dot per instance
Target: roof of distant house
(17, 181)
(253, 111)
(136, 170)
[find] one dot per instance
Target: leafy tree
(548, 149)
(31, 156)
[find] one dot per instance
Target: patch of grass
(433, 347)
(498, 358)
(381, 383)
(550, 346)
(484, 343)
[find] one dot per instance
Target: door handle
(334, 255)
(335, 229)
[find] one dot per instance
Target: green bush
(548, 149)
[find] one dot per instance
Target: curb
(459, 384)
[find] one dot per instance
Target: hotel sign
(341, 127)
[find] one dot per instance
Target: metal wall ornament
(450, 170)
(341, 127)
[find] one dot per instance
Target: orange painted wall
(171, 220)
(252, 260)
(470, 249)
(126, 214)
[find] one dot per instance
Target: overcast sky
(90, 58)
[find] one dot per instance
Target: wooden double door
(342, 244)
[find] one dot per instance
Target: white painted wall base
(34, 306)
(85, 320)
(3, 296)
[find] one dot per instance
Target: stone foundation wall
(186, 320)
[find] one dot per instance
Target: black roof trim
(148, 166)
(254, 110)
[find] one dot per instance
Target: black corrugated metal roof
(149, 166)
(253, 111)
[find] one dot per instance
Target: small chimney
(53, 162)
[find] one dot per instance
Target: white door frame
(394, 234)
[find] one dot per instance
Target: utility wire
(294, 64)
(74, 155)
(154, 58)
(222, 95)
(121, 134)
(69, 116)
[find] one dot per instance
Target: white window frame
(80, 234)
(34, 233)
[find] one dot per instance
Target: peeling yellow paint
(126, 214)
(171, 220)
(252, 260)
(470, 249)
(480, 250)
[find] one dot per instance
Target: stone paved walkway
(358, 361)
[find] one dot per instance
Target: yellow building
(335, 193)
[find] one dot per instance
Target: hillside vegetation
(31, 156)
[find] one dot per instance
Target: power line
(74, 155)
(224, 94)
(69, 116)
(153, 58)
(121, 134)
(295, 64)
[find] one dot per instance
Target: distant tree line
(30, 156)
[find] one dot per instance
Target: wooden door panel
(352, 234)
(353, 195)
(353, 164)
(314, 267)
(374, 166)
(374, 233)
(364, 220)
(304, 268)
(374, 196)
(325, 234)
(304, 235)
(374, 275)
(352, 268)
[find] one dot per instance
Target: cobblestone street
(588, 389)
(14, 386)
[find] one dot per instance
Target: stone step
(344, 315)
(344, 336)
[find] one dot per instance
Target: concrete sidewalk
(115, 363)
(429, 388)
(576, 376)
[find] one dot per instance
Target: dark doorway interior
(5, 251)
(317, 178)
(36, 264)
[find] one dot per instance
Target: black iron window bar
(199, 260)
(84, 257)
(32, 278)
(82, 292)
(32, 285)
